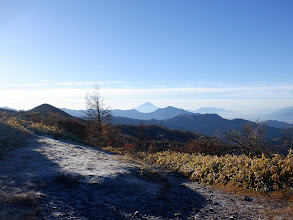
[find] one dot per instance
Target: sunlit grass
(258, 174)
(14, 131)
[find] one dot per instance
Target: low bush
(73, 126)
(12, 133)
(22, 199)
(259, 174)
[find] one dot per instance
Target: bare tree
(288, 134)
(251, 139)
(99, 117)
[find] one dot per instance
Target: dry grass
(153, 175)
(24, 206)
(12, 133)
(23, 199)
(15, 130)
(258, 174)
(268, 179)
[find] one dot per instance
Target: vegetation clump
(258, 173)
(12, 131)
(17, 127)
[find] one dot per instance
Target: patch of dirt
(53, 179)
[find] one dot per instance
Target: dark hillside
(46, 109)
(168, 112)
(155, 132)
(7, 110)
(206, 124)
(278, 124)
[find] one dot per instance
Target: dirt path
(51, 179)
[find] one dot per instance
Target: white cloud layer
(58, 84)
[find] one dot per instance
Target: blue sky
(189, 54)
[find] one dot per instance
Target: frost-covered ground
(53, 179)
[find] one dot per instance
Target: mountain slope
(284, 114)
(75, 113)
(146, 108)
(210, 110)
(278, 124)
(132, 113)
(168, 112)
(46, 109)
(206, 124)
(156, 132)
(7, 108)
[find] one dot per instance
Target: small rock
(247, 199)
(231, 217)
(215, 203)
(211, 210)
(177, 215)
(136, 214)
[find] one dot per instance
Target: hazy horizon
(250, 115)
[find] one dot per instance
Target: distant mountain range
(209, 110)
(159, 114)
(278, 124)
(220, 111)
(75, 113)
(283, 114)
(175, 118)
(7, 108)
(206, 124)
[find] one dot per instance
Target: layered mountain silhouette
(7, 108)
(219, 111)
(210, 110)
(174, 118)
(283, 114)
(159, 114)
(156, 132)
(75, 113)
(206, 124)
(278, 124)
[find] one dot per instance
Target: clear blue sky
(231, 53)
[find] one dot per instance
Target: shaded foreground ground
(51, 179)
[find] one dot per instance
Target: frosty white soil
(63, 180)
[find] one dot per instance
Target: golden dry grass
(257, 174)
